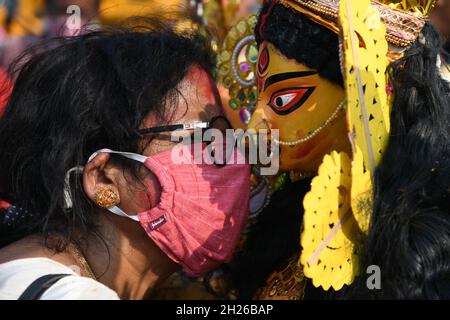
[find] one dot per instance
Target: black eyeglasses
(218, 122)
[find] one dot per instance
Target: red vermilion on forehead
(202, 81)
(263, 61)
(261, 82)
(195, 73)
(207, 90)
(198, 93)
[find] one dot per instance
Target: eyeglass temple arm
(173, 127)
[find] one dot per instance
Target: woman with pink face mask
(100, 209)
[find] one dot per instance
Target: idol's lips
(307, 147)
(303, 152)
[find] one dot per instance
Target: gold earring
(106, 197)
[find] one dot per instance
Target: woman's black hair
(409, 236)
(319, 48)
(78, 95)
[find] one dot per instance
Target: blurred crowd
(23, 22)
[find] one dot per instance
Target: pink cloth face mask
(202, 209)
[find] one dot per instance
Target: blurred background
(24, 21)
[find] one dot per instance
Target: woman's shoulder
(17, 275)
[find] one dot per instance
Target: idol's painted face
(296, 100)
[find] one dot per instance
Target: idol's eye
(282, 100)
(287, 100)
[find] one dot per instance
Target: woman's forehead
(198, 94)
(198, 99)
(199, 81)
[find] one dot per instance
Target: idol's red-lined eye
(285, 101)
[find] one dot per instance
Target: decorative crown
(401, 17)
(419, 8)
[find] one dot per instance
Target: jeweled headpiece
(403, 19)
(420, 8)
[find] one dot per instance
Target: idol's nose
(258, 131)
(258, 121)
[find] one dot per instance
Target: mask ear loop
(117, 211)
(68, 202)
(133, 156)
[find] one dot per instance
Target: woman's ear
(97, 177)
